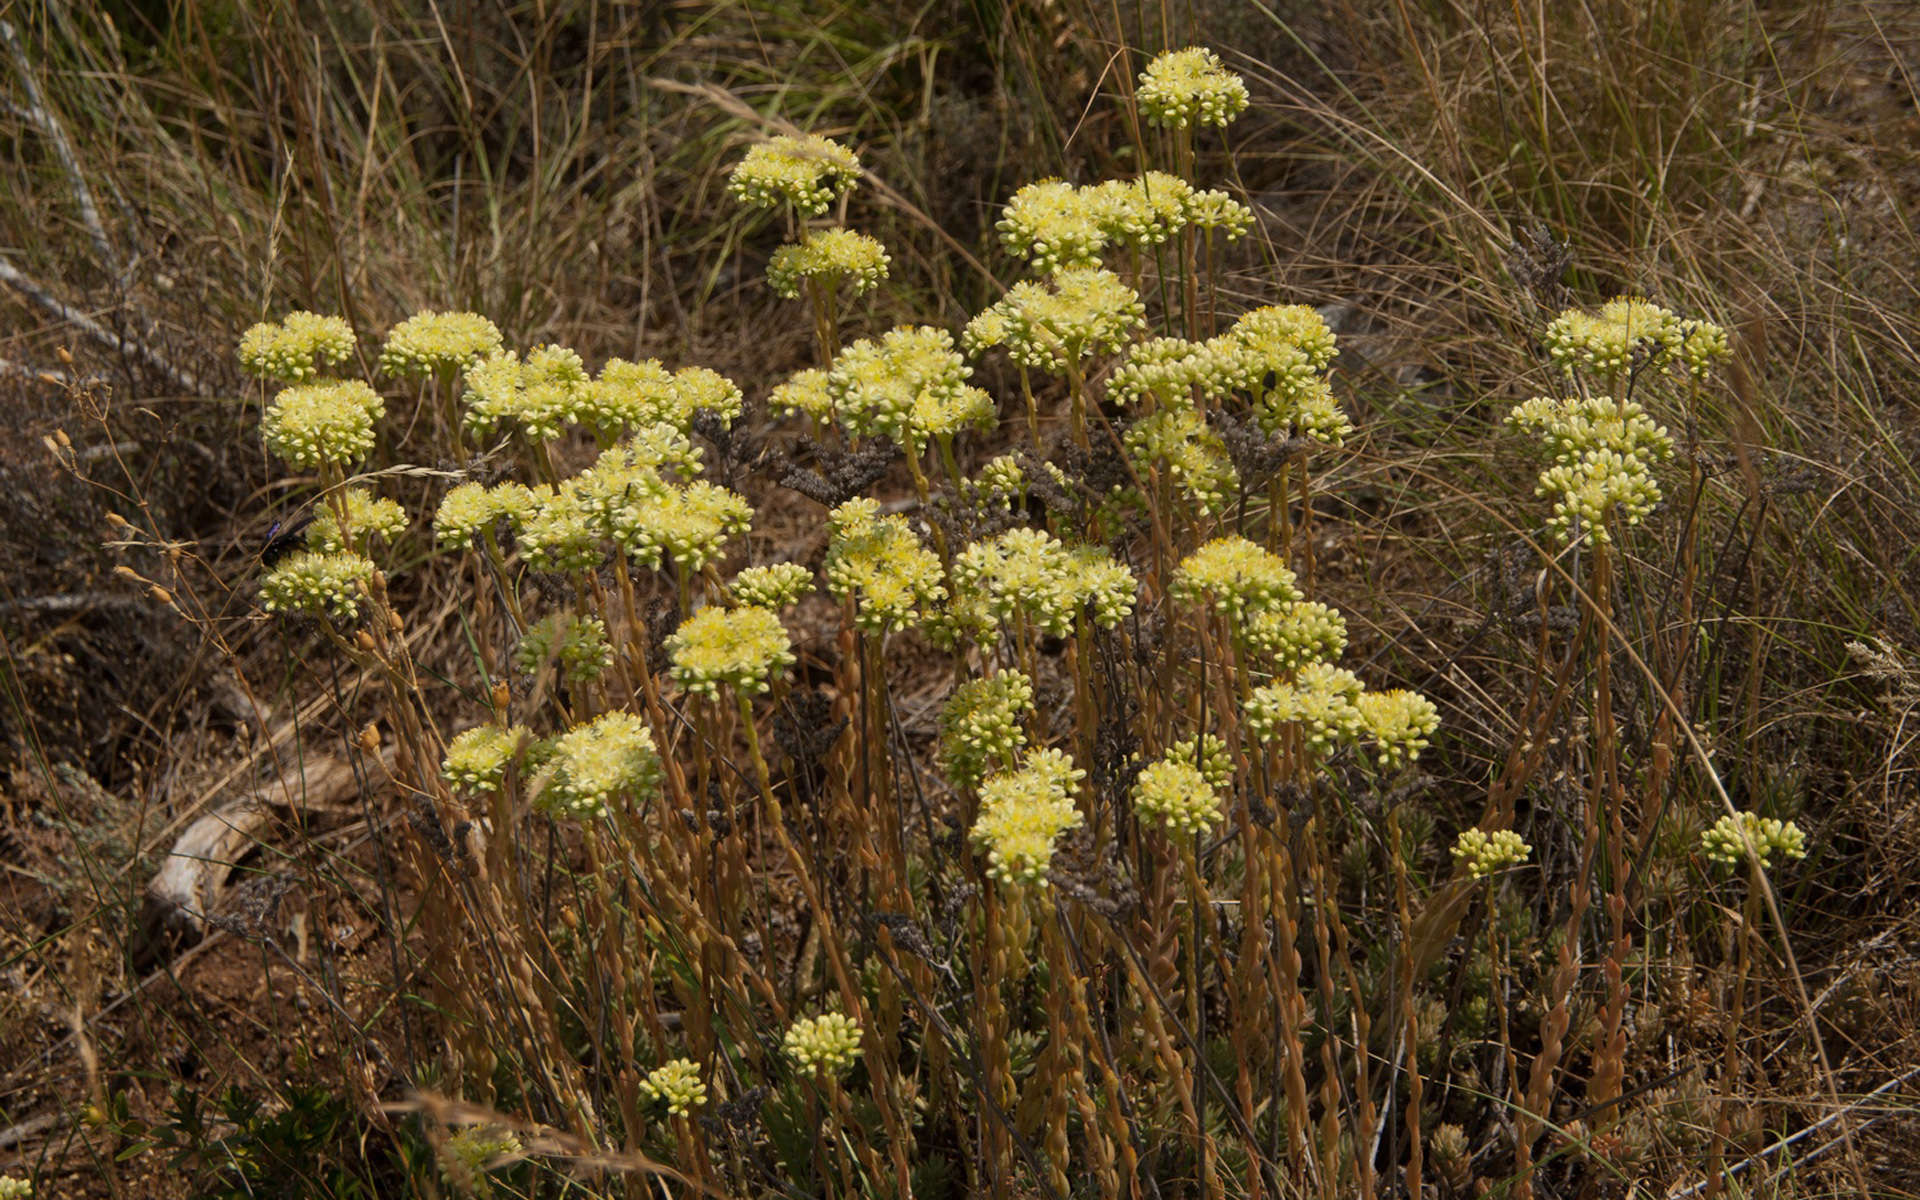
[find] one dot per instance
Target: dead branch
(193, 880)
(27, 286)
(37, 113)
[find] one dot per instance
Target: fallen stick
(194, 879)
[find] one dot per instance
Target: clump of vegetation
(1112, 730)
(1189, 811)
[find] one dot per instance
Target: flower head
(1290, 635)
(314, 423)
(1028, 574)
(1210, 753)
(649, 516)
(1176, 795)
(1052, 224)
(1322, 702)
(1163, 368)
(980, 726)
(1485, 853)
(307, 581)
(909, 385)
(1398, 723)
(739, 647)
(1236, 577)
(465, 513)
(804, 392)
(826, 1043)
(1279, 354)
(630, 395)
(541, 395)
(367, 517)
(1146, 211)
(556, 532)
(1606, 341)
(1603, 450)
(578, 645)
(831, 259)
(809, 172)
(1190, 87)
(704, 390)
(1215, 210)
(1194, 457)
(1080, 311)
(609, 757)
(295, 349)
(477, 759)
(1022, 814)
(1726, 842)
(774, 586)
(678, 1083)
(466, 1156)
(880, 564)
(431, 342)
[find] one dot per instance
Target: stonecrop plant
(1075, 924)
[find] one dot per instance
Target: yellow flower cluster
(541, 395)
(825, 1043)
(1174, 794)
(609, 757)
(314, 423)
(831, 258)
(775, 586)
(477, 759)
(1726, 845)
(980, 726)
(1208, 752)
(1288, 635)
(877, 562)
(466, 1156)
(1237, 577)
(1178, 441)
(1278, 355)
(468, 511)
(690, 522)
(1605, 341)
(1055, 226)
(1213, 209)
(1398, 723)
(678, 1083)
(1163, 368)
(1052, 225)
(556, 531)
(808, 172)
(1484, 853)
(1190, 87)
(428, 343)
(1322, 702)
(1022, 814)
(739, 647)
(306, 581)
(638, 395)
(1603, 452)
(1048, 326)
(578, 645)
(804, 392)
(367, 517)
(910, 385)
(704, 390)
(1147, 211)
(293, 350)
(1029, 574)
